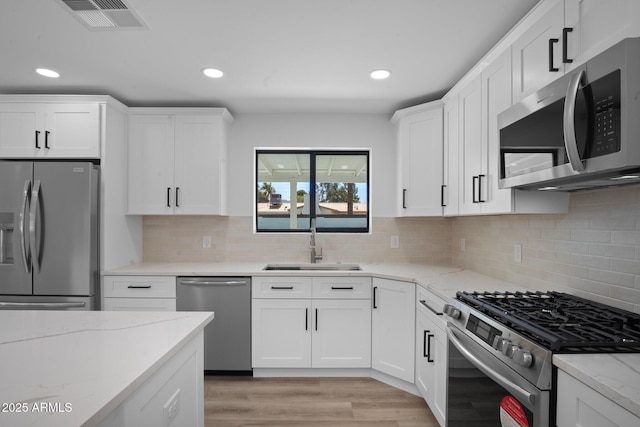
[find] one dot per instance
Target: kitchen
(589, 251)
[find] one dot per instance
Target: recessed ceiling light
(380, 74)
(213, 73)
(47, 73)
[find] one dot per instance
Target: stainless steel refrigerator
(49, 235)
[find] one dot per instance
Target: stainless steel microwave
(581, 131)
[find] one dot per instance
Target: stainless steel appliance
(581, 131)
(227, 340)
(48, 235)
(501, 346)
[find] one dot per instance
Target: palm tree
(265, 191)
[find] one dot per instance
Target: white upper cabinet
(420, 138)
(472, 172)
(537, 54)
(567, 34)
(596, 25)
(177, 161)
(450, 164)
(42, 130)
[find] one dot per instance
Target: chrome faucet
(312, 243)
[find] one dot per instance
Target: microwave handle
(570, 143)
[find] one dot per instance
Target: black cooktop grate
(561, 322)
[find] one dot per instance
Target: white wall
(312, 130)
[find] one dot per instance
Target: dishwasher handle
(196, 282)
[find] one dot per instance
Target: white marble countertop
(616, 376)
(83, 364)
(445, 280)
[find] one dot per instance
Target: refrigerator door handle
(37, 305)
(33, 213)
(26, 250)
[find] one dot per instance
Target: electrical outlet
(395, 242)
(517, 253)
(206, 242)
(171, 408)
(463, 245)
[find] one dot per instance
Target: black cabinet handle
(375, 288)
(46, 139)
(551, 67)
(442, 188)
(38, 139)
(306, 319)
(473, 188)
(429, 359)
(425, 352)
(565, 48)
(342, 288)
(177, 197)
(480, 199)
(139, 287)
(424, 303)
(288, 288)
(316, 319)
(404, 198)
(168, 197)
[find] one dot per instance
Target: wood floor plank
(313, 402)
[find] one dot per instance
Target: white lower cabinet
(393, 326)
(139, 293)
(578, 405)
(178, 382)
(431, 353)
(290, 329)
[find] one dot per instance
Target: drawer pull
(139, 286)
(282, 288)
(342, 288)
(423, 302)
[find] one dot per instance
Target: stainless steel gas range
(501, 346)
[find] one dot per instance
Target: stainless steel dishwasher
(227, 339)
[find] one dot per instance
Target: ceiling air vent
(104, 14)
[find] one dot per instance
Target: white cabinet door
(393, 326)
(496, 96)
(472, 176)
(451, 159)
(200, 159)
(537, 54)
(420, 137)
(50, 130)
(598, 24)
(72, 131)
(581, 406)
(151, 171)
(281, 333)
(341, 334)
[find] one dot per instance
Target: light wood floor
(322, 402)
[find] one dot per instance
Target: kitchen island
(86, 368)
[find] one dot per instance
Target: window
(295, 186)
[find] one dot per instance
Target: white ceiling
(277, 55)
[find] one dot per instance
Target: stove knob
(500, 343)
(522, 357)
(508, 349)
(451, 311)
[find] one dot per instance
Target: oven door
(483, 392)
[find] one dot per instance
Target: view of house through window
(294, 186)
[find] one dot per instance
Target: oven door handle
(517, 391)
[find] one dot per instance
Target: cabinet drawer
(139, 287)
(341, 287)
(281, 287)
(430, 304)
(139, 304)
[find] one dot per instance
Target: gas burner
(561, 322)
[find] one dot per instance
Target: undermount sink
(317, 267)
